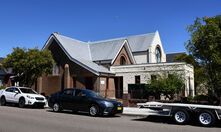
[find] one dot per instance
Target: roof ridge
(120, 38)
(89, 49)
(69, 38)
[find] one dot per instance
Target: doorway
(118, 87)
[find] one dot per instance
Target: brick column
(126, 98)
(111, 88)
(39, 85)
(67, 77)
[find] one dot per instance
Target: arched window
(158, 55)
(123, 60)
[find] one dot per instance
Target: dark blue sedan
(84, 100)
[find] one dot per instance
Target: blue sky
(28, 23)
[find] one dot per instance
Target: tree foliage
(167, 85)
(29, 64)
(205, 47)
(199, 71)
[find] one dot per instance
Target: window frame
(158, 54)
(137, 77)
(11, 90)
(123, 60)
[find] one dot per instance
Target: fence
(137, 91)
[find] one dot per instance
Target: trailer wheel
(181, 116)
(206, 118)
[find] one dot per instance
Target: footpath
(134, 111)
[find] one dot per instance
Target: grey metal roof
(75, 48)
(85, 53)
(140, 42)
(95, 67)
(105, 50)
(80, 53)
(137, 42)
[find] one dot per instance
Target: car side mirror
(16, 92)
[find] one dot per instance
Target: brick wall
(48, 84)
(124, 53)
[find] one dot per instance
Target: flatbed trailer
(182, 113)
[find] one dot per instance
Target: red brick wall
(111, 88)
(103, 86)
(108, 88)
(124, 53)
(49, 84)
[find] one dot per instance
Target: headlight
(107, 104)
(30, 97)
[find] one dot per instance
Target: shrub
(168, 85)
(2, 87)
(201, 98)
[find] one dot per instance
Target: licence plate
(119, 108)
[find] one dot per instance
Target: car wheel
(56, 107)
(206, 118)
(181, 116)
(94, 110)
(21, 103)
(3, 101)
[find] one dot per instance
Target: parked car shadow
(81, 113)
(26, 107)
(169, 121)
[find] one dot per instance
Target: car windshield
(27, 90)
(93, 94)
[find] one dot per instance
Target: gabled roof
(77, 52)
(85, 54)
(128, 50)
(75, 48)
(138, 43)
(105, 50)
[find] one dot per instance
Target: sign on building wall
(102, 82)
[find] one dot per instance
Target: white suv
(21, 95)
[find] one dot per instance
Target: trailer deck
(206, 114)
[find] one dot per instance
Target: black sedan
(84, 100)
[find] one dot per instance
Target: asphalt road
(13, 119)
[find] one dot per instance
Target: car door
(81, 100)
(66, 99)
(9, 94)
(16, 95)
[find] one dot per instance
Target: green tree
(199, 71)
(205, 46)
(29, 64)
(168, 85)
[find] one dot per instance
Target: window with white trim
(158, 54)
